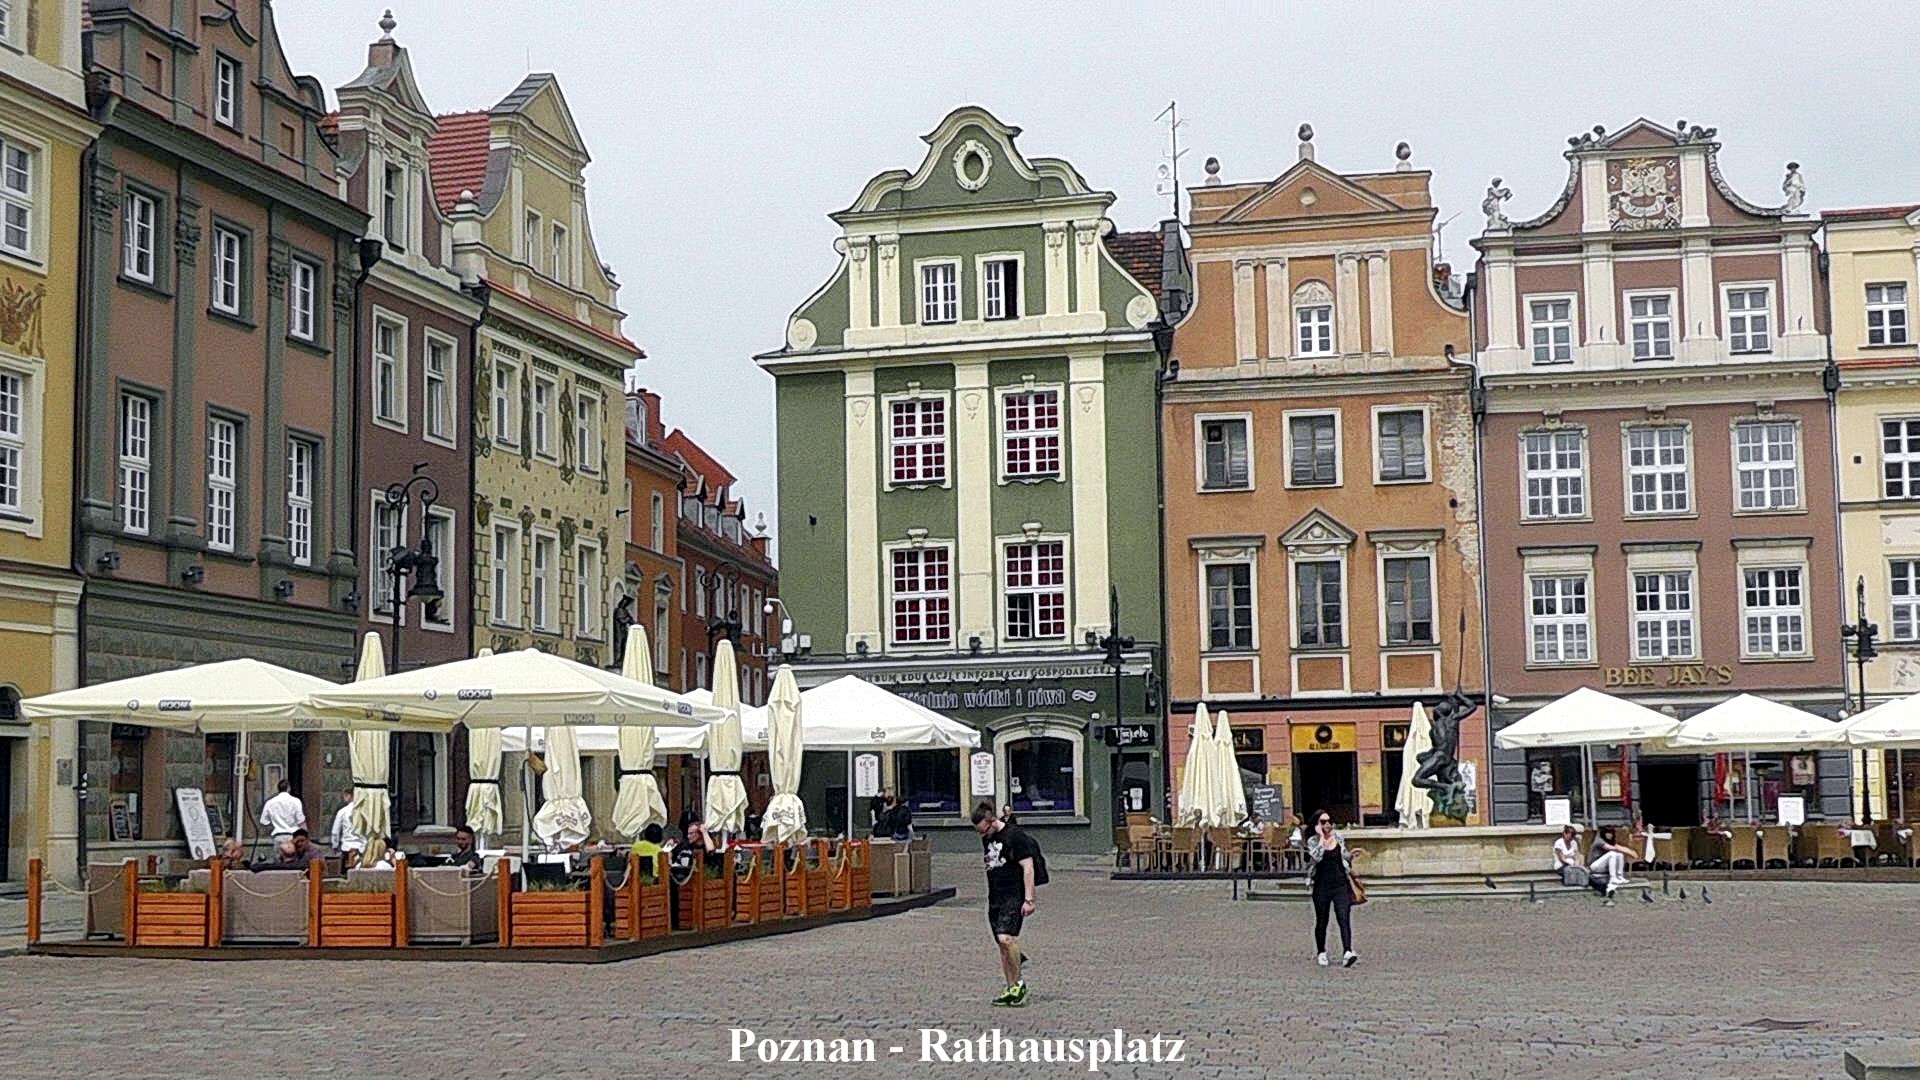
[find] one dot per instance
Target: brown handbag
(1356, 890)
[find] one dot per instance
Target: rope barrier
(233, 881)
(415, 880)
(114, 882)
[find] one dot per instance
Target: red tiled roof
(330, 124)
(1868, 213)
(1139, 254)
(697, 459)
(549, 309)
(457, 152)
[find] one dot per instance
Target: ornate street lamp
(417, 563)
(1861, 634)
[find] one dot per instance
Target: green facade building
(967, 464)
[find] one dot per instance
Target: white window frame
(506, 402)
(558, 253)
(1563, 621)
(1038, 729)
(139, 230)
(545, 582)
(1206, 564)
(1663, 618)
(17, 460)
(1655, 473)
(1426, 444)
(920, 595)
(19, 195)
(919, 442)
(227, 81)
(589, 419)
(1534, 324)
(1337, 560)
(1650, 321)
(1777, 615)
(302, 457)
(1385, 556)
(222, 476)
(1200, 480)
(587, 592)
(1764, 467)
(1006, 592)
(134, 491)
(229, 262)
(1553, 475)
(1036, 435)
(1894, 326)
(659, 532)
(989, 290)
(394, 362)
(393, 205)
(542, 417)
(446, 549)
(445, 417)
(379, 516)
(1728, 317)
(1339, 445)
(531, 238)
(1903, 598)
(1313, 320)
(935, 309)
(504, 607)
(303, 291)
(6, 21)
(1906, 459)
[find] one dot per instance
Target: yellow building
(1874, 270)
(549, 397)
(44, 128)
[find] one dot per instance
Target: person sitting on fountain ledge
(1607, 862)
(1566, 857)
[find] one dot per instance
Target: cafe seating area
(607, 907)
(1147, 848)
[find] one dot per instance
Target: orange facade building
(1322, 527)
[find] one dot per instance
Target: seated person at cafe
(232, 854)
(285, 857)
(1607, 862)
(464, 853)
(1566, 857)
(648, 849)
(379, 854)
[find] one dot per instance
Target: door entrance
(1327, 780)
(1132, 785)
(6, 799)
(1670, 791)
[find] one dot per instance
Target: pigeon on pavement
(1646, 896)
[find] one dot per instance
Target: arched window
(1042, 769)
(1313, 319)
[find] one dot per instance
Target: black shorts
(1005, 918)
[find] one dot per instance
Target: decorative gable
(1309, 189)
(1317, 534)
(971, 160)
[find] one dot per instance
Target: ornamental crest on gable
(1643, 193)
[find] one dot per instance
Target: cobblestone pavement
(1769, 980)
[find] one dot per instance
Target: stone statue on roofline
(1794, 187)
(1497, 194)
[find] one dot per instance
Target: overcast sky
(722, 139)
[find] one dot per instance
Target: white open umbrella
(1194, 788)
(1230, 794)
(1752, 723)
(485, 814)
(786, 818)
(367, 752)
(1587, 718)
(638, 803)
(726, 795)
(564, 819)
(1414, 804)
(1890, 725)
(513, 689)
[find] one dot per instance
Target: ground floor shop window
(414, 772)
(1775, 775)
(1042, 774)
(218, 784)
(1553, 774)
(126, 786)
(929, 781)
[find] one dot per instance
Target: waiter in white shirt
(345, 839)
(283, 814)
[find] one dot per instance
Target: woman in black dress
(1329, 862)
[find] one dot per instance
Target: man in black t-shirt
(1010, 855)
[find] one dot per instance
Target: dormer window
(393, 206)
(226, 91)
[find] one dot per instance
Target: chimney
(384, 52)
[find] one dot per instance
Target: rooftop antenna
(1170, 170)
(1439, 238)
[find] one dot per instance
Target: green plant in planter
(551, 886)
(155, 885)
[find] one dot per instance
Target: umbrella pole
(526, 803)
(1900, 775)
(849, 833)
(240, 790)
(1749, 764)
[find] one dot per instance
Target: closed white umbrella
(485, 814)
(786, 818)
(638, 802)
(564, 819)
(1230, 794)
(1413, 803)
(726, 795)
(1193, 773)
(368, 751)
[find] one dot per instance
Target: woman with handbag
(1335, 890)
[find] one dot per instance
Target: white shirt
(1566, 852)
(344, 837)
(283, 814)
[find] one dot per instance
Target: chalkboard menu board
(1263, 802)
(119, 820)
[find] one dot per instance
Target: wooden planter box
(569, 919)
(809, 880)
(759, 894)
(853, 876)
(641, 910)
(167, 918)
(706, 903)
(356, 920)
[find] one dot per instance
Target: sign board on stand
(980, 765)
(1263, 802)
(193, 821)
(1793, 809)
(1559, 810)
(866, 775)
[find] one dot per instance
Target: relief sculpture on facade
(20, 317)
(1641, 194)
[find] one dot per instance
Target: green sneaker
(1019, 995)
(1009, 996)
